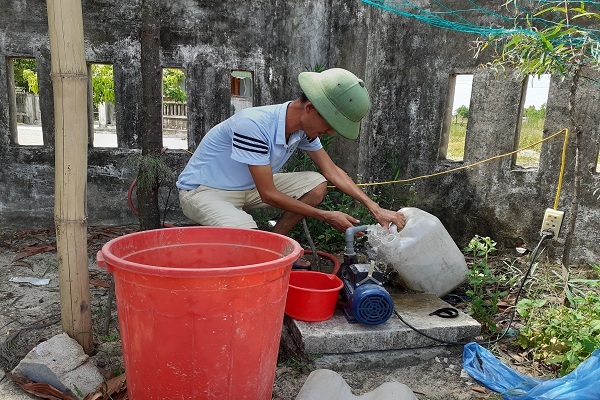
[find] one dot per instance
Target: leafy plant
(484, 286)
(78, 391)
(157, 177)
(316, 68)
(111, 337)
(152, 169)
(561, 336)
(557, 48)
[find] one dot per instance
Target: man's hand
(339, 220)
(386, 217)
(342, 181)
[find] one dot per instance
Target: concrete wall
(407, 66)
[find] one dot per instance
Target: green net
(505, 18)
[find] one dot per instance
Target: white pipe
(349, 251)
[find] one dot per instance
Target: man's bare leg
(289, 220)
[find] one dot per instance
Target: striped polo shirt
(253, 136)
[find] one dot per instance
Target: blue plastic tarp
(583, 383)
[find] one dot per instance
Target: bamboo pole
(69, 81)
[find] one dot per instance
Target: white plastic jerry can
(423, 253)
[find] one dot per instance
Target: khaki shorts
(216, 207)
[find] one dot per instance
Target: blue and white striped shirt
(253, 136)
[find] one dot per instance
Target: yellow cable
(562, 166)
(560, 176)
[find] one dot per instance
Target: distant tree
(103, 84)
(172, 85)
(534, 115)
(463, 112)
(20, 65)
(32, 82)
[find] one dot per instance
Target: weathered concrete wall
(407, 67)
(206, 39)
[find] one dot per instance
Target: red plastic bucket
(312, 295)
(200, 310)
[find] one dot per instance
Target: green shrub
(483, 286)
(559, 335)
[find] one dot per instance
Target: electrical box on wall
(552, 221)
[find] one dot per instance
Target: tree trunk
(69, 81)
(151, 114)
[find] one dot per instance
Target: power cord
(546, 235)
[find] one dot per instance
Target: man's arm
(342, 181)
(263, 179)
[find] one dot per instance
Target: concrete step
(337, 336)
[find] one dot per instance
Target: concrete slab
(386, 359)
(338, 336)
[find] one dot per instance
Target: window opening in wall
(533, 116)
(103, 105)
(26, 121)
(174, 118)
(241, 90)
(457, 116)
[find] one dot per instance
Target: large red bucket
(200, 310)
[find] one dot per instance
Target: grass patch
(456, 142)
(531, 132)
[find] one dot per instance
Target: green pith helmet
(339, 96)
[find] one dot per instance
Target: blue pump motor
(366, 299)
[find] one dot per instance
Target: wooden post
(69, 81)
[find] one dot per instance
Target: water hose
(129, 197)
(132, 206)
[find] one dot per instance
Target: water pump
(367, 301)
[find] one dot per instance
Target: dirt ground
(30, 314)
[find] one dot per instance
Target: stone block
(62, 363)
(338, 336)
